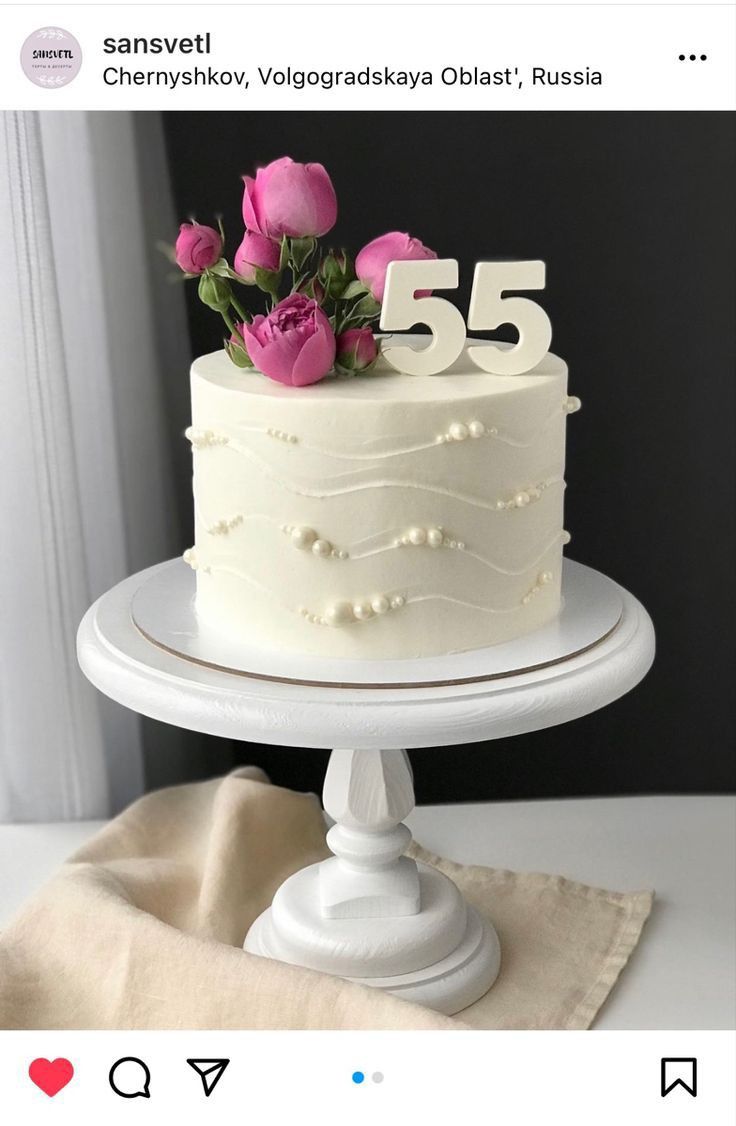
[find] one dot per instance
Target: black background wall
(633, 213)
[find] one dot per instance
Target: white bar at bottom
(514, 1078)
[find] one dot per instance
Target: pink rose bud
(287, 198)
(197, 248)
(374, 259)
(294, 344)
(312, 287)
(256, 252)
(356, 349)
(336, 273)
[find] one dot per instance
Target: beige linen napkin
(142, 928)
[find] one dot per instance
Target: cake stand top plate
(478, 698)
(164, 611)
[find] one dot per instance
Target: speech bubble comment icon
(130, 1078)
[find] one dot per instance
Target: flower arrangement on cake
(321, 307)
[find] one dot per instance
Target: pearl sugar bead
(303, 538)
(340, 613)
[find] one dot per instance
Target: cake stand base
(371, 914)
(448, 984)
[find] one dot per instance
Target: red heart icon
(51, 1075)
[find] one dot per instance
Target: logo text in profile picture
(51, 57)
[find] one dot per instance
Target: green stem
(348, 314)
(358, 320)
(230, 324)
(242, 313)
(296, 277)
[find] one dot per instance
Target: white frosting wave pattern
(457, 432)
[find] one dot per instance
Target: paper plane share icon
(210, 1072)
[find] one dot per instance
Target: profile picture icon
(51, 57)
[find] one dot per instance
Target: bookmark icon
(210, 1072)
(679, 1071)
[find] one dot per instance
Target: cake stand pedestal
(369, 913)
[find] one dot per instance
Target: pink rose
(294, 344)
(373, 260)
(356, 349)
(197, 248)
(291, 199)
(256, 252)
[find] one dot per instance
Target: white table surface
(683, 975)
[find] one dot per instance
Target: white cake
(382, 516)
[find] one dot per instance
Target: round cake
(386, 516)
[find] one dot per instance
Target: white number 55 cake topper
(488, 310)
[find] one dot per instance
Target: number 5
(402, 309)
(489, 309)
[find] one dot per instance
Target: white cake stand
(369, 913)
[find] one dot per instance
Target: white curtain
(90, 333)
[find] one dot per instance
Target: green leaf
(168, 251)
(301, 250)
(283, 260)
(221, 268)
(238, 354)
(268, 280)
(355, 289)
(348, 268)
(368, 307)
(237, 278)
(312, 287)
